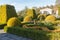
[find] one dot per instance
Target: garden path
(7, 36)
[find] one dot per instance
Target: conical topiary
(6, 12)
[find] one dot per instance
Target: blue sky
(20, 4)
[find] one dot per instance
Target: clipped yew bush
(6, 12)
(29, 12)
(27, 19)
(13, 22)
(32, 13)
(50, 18)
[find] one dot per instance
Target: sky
(21, 4)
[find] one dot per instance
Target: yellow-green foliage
(50, 18)
(13, 22)
(41, 16)
(3, 14)
(6, 12)
(57, 27)
(58, 21)
(30, 12)
(27, 19)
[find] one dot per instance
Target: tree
(32, 13)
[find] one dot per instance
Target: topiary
(6, 12)
(32, 13)
(41, 16)
(13, 22)
(49, 25)
(27, 19)
(50, 18)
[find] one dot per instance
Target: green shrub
(27, 22)
(49, 25)
(41, 24)
(6, 12)
(32, 24)
(33, 34)
(50, 18)
(27, 19)
(21, 18)
(2, 26)
(14, 21)
(57, 27)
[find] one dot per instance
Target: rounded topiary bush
(50, 18)
(14, 21)
(27, 19)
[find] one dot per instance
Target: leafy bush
(6, 12)
(49, 25)
(32, 24)
(27, 23)
(33, 34)
(13, 21)
(27, 19)
(41, 16)
(31, 12)
(40, 24)
(2, 26)
(20, 18)
(57, 27)
(50, 18)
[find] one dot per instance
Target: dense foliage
(14, 21)
(6, 12)
(27, 19)
(50, 18)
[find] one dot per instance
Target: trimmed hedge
(33, 34)
(6, 12)
(2, 26)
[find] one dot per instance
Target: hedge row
(33, 34)
(2, 26)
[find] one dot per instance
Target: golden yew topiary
(29, 12)
(6, 12)
(27, 19)
(50, 18)
(13, 22)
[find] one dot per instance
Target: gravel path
(7, 36)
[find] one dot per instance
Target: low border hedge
(2, 26)
(32, 33)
